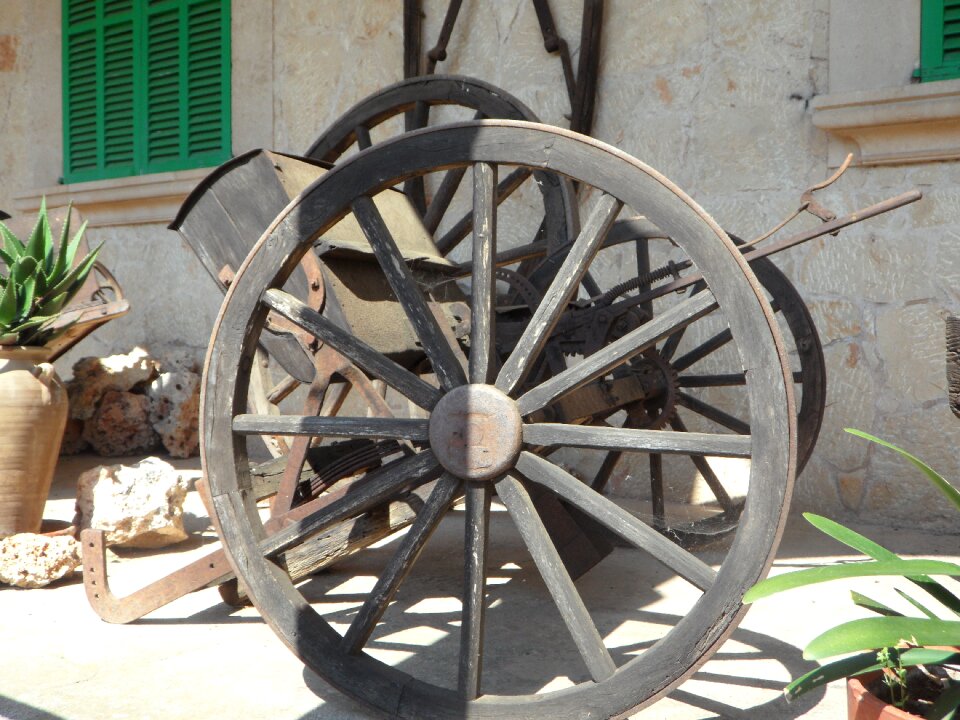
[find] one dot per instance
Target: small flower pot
(864, 705)
(33, 413)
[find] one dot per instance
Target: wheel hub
(476, 432)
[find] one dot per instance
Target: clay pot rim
(30, 353)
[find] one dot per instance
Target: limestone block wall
(719, 95)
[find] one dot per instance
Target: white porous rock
(177, 358)
(94, 377)
(175, 412)
(139, 506)
(28, 560)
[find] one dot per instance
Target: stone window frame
(891, 120)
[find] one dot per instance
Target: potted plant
(908, 663)
(38, 278)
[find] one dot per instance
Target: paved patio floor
(199, 658)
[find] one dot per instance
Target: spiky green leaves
(40, 280)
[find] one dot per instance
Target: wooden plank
(357, 351)
(555, 299)
(442, 198)
(483, 282)
(476, 540)
(372, 427)
(618, 520)
(617, 352)
(441, 355)
(705, 348)
(655, 441)
(564, 593)
(400, 564)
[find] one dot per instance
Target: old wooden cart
(412, 350)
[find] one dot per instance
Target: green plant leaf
(73, 281)
(874, 633)
(40, 244)
(869, 568)
(8, 304)
(7, 258)
(917, 604)
(873, 605)
(11, 243)
(863, 663)
(25, 297)
(947, 704)
(878, 552)
(949, 491)
(68, 250)
(53, 305)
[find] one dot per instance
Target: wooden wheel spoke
(354, 349)
(657, 500)
(635, 440)
(462, 228)
(612, 516)
(719, 380)
(562, 287)
(709, 476)
(400, 564)
(483, 282)
(362, 133)
(669, 348)
(366, 427)
(617, 352)
(377, 487)
(442, 357)
(476, 525)
(702, 350)
(564, 593)
(442, 198)
(713, 413)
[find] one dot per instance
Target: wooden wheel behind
(486, 436)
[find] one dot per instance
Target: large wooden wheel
(485, 434)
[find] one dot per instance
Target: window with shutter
(940, 40)
(146, 86)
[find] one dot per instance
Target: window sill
(121, 201)
(915, 123)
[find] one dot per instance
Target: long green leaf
(864, 663)
(873, 605)
(40, 243)
(68, 250)
(25, 297)
(917, 604)
(7, 258)
(949, 491)
(873, 633)
(878, 552)
(811, 576)
(52, 305)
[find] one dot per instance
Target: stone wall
(719, 95)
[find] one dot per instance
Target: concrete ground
(199, 658)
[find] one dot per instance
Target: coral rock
(28, 560)
(94, 377)
(138, 505)
(175, 411)
(121, 425)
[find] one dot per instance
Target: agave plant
(893, 642)
(40, 280)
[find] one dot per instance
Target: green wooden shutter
(146, 86)
(940, 40)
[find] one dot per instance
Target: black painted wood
(621, 522)
(357, 351)
(703, 467)
(564, 593)
(713, 413)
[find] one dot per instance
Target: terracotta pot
(33, 413)
(864, 705)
